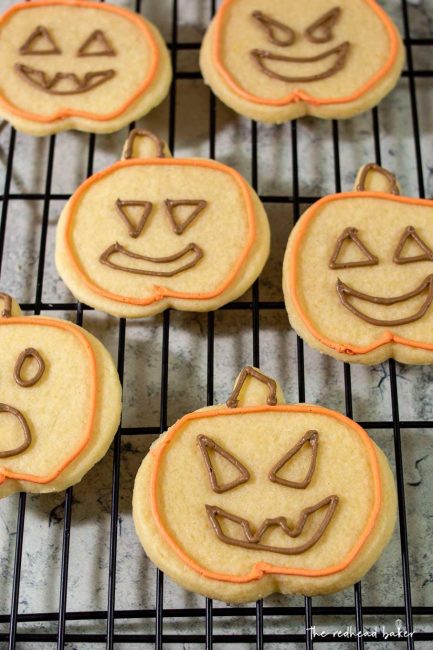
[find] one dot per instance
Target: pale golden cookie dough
(349, 471)
(336, 59)
(383, 232)
(56, 408)
(76, 64)
(218, 248)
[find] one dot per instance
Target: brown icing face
(41, 42)
(326, 63)
(245, 536)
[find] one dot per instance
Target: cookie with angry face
(152, 232)
(279, 60)
(358, 273)
(257, 496)
(79, 64)
(60, 401)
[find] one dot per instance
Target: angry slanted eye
(349, 238)
(29, 353)
(278, 33)
(409, 236)
(40, 41)
(321, 30)
(96, 44)
(311, 437)
(206, 445)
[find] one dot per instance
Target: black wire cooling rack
(13, 622)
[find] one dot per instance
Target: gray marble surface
(90, 536)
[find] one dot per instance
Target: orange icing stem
(48, 322)
(161, 292)
(262, 568)
(344, 348)
(63, 113)
(298, 94)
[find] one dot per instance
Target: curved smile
(117, 249)
(252, 540)
(62, 83)
(339, 53)
(345, 292)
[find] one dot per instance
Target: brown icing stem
(133, 230)
(171, 205)
(352, 234)
(324, 24)
(5, 408)
(252, 540)
(117, 248)
(7, 305)
(39, 79)
(39, 33)
(270, 26)
(373, 167)
(344, 292)
(259, 56)
(26, 354)
(206, 443)
(313, 438)
(271, 400)
(99, 37)
(411, 233)
(142, 133)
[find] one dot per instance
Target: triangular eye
(134, 214)
(278, 33)
(311, 437)
(39, 42)
(96, 45)
(410, 237)
(321, 30)
(181, 219)
(341, 257)
(208, 445)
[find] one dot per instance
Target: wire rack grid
(25, 629)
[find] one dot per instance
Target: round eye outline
(267, 23)
(99, 37)
(325, 23)
(351, 234)
(25, 354)
(37, 33)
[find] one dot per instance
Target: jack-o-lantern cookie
(358, 273)
(238, 501)
(77, 64)
(277, 60)
(60, 400)
(152, 232)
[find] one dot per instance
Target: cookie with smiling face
(152, 232)
(279, 60)
(79, 64)
(257, 496)
(358, 273)
(60, 401)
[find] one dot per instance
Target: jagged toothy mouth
(62, 83)
(118, 249)
(252, 540)
(261, 57)
(345, 293)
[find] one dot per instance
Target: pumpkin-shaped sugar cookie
(258, 496)
(358, 273)
(276, 60)
(79, 64)
(152, 232)
(60, 400)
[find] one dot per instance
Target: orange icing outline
(262, 568)
(49, 322)
(62, 113)
(160, 291)
(298, 94)
(345, 348)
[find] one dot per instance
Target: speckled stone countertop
(88, 576)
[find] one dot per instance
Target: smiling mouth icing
(63, 83)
